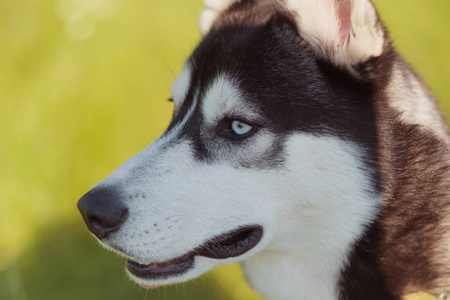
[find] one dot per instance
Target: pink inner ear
(344, 11)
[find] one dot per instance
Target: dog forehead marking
(223, 98)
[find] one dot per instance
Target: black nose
(102, 211)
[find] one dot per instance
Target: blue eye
(240, 128)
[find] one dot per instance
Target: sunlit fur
(341, 203)
(347, 40)
(191, 202)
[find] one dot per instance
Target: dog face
(271, 148)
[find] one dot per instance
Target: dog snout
(102, 211)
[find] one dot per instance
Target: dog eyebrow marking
(223, 98)
(181, 86)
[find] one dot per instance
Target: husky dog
(301, 145)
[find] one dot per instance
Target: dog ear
(212, 9)
(345, 32)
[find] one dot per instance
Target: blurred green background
(83, 86)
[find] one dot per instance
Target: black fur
(280, 75)
(261, 50)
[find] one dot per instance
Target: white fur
(410, 98)
(224, 99)
(157, 147)
(212, 9)
(192, 202)
(176, 202)
(189, 201)
(319, 24)
(316, 210)
(415, 105)
(181, 87)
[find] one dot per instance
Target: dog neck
(278, 275)
(308, 252)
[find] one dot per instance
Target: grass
(83, 85)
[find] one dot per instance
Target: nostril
(96, 223)
(123, 216)
(101, 227)
(109, 223)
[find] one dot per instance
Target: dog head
(272, 144)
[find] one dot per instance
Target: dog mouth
(228, 245)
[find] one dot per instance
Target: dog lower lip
(162, 269)
(224, 246)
